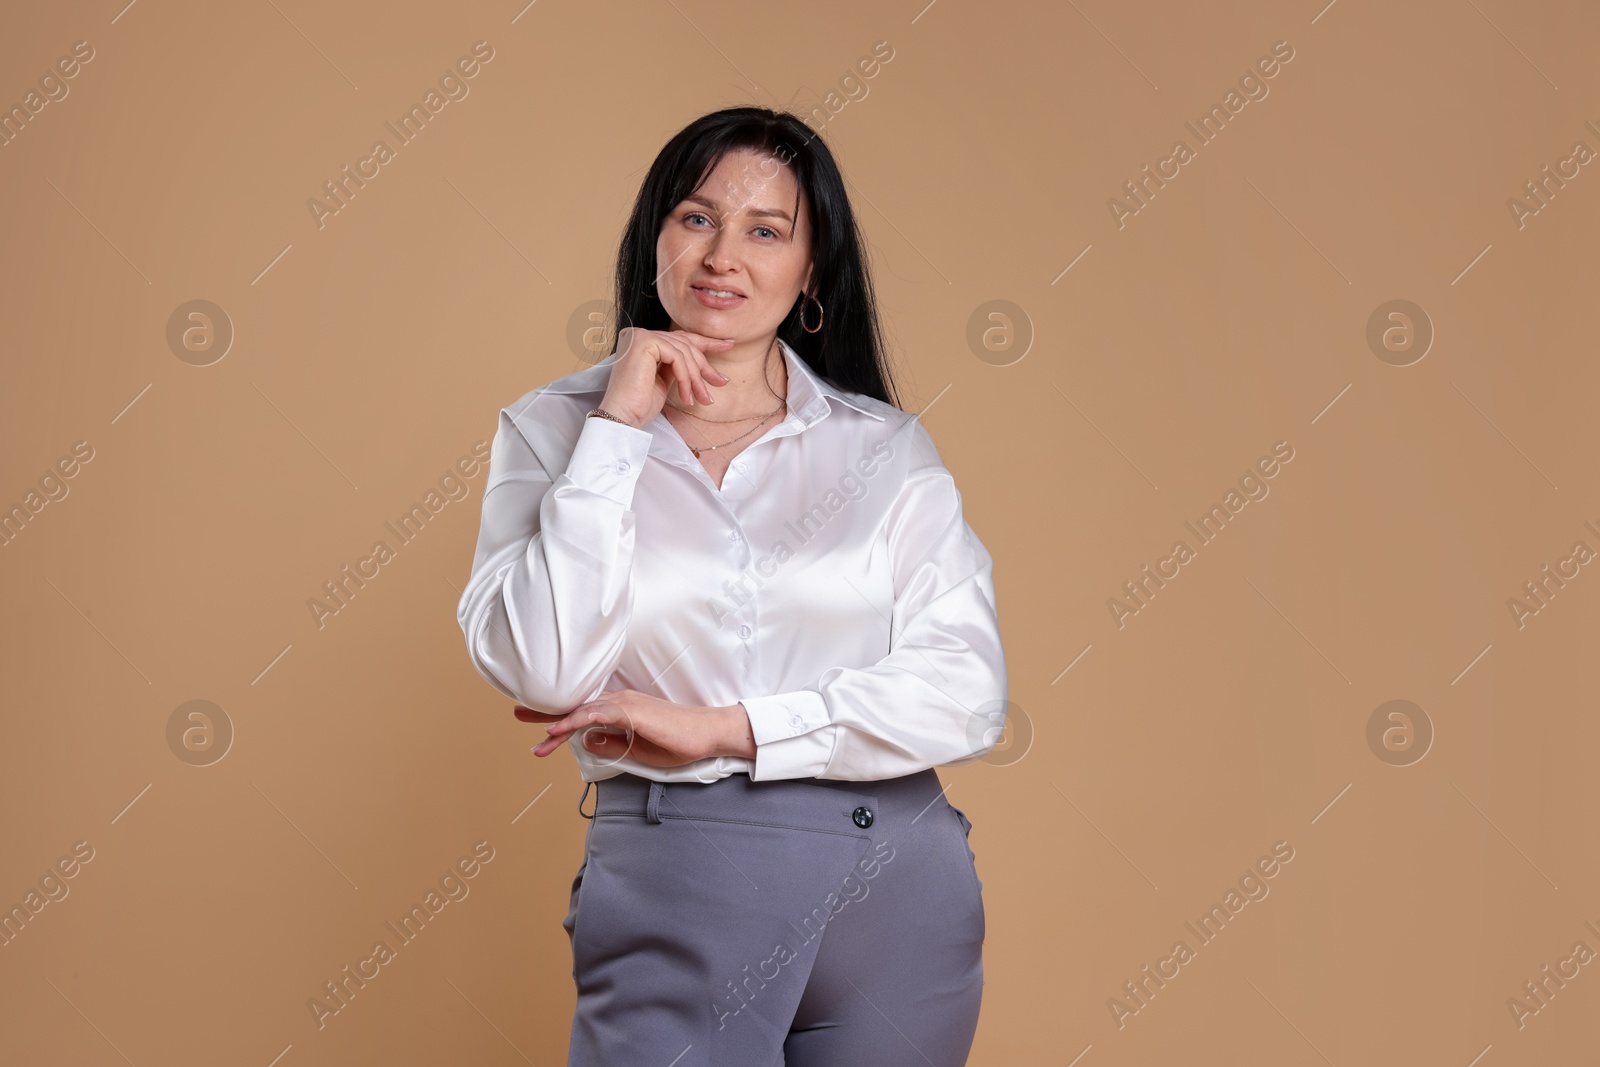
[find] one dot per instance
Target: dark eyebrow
(760, 212)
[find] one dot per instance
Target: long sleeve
(545, 611)
(932, 701)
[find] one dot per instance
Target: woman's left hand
(654, 731)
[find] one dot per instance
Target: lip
(724, 288)
(718, 303)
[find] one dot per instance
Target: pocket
(972, 860)
(658, 895)
(570, 922)
(572, 904)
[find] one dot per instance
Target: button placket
(740, 551)
(741, 554)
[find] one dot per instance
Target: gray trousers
(804, 922)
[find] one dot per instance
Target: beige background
(1147, 767)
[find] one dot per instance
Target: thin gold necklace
(747, 433)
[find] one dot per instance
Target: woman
(738, 579)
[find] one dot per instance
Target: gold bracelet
(604, 414)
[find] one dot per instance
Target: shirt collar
(808, 405)
(809, 394)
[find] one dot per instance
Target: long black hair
(848, 351)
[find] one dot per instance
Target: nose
(720, 256)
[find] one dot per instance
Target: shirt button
(622, 466)
(796, 721)
(733, 535)
(744, 632)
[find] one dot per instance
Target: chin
(711, 322)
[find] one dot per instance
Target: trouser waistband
(628, 794)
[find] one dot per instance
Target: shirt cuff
(787, 730)
(608, 458)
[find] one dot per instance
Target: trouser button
(862, 817)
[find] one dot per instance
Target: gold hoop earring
(803, 326)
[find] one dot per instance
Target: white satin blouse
(831, 586)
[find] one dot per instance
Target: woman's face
(739, 233)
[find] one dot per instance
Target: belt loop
(652, 808)
(585, 796)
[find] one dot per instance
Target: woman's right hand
(651, 362)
